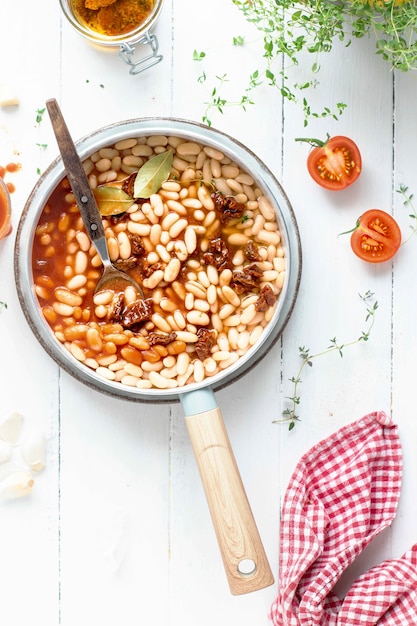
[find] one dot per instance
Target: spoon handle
(78, 180)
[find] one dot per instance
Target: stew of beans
(206, 248)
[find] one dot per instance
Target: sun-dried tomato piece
(126, 264)
(266, 299)
(137, 246)
(148, 269)
(218, 254)
(161, 338)
(129, 183)
(205, 342)
(246, 279)
(228, 206)
(137, 312)
(115, 313)
(117, 219)
(252, 251)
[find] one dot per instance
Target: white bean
(183, 361)
(187, 337)
(161, 322)
(268, 237)
(198, 371)
(198, 318)
(125, 249)
(154, 279)
(159, 381)
(248, 314)
(179, 319)
(180, 250)
(172, 270)
(77, 281)
(190, 239)
(265, 208)
(142, 230)
(203, 195)
(177, 228)
(230, 295)
(233, 320)
(221, 355)
(66, 296)
(226, 310)
(163, 253)
(83, 241)
(81, 262)
(169, 220)
(155, 234)
(201, 305)
(195, 288)
(213, 153)
(103, 297)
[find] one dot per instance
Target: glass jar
(118, 23)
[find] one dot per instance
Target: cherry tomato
(376, 237)
(335, 163)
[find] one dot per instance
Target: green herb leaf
(39, 115)
(152, 174)
(112, 200)
(198, 56)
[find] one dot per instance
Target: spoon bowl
(112, 278)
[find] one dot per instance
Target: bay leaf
(152, 174)
(112, 200)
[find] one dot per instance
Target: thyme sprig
(289, 415)
(408, 202)
(217, 101)
(42, 146)
(290, 28)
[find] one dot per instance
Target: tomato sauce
(50, 253)
(5, 210)
(5, 205)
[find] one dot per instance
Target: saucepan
(230, 194)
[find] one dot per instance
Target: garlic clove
(33, 452)
(11, 427)
(8, 96)
(16, 484)
(6, 449)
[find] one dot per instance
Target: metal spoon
(112, 278)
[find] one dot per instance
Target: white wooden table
(116, 529)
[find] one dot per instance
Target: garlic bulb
(33, 452)
(16, 484)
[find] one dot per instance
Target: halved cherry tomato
(335, 163)
(376, 237)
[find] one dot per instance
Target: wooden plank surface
(117, 529)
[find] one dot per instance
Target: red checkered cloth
(343, 492)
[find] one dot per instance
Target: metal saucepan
(243, 555)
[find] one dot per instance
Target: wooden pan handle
(244, 558)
